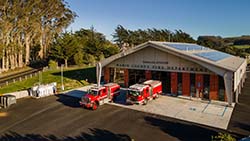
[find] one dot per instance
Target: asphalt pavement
(240, 120)
(61, 118)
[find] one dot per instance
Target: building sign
(155, 62)
(161, 67)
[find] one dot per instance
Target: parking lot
(61, 118)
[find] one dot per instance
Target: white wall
(20, 94)
(238, 75)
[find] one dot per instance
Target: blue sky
(197, 17)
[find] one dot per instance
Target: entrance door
(179, 83)
(206, 81)
(164, 82)
(221, 89)
(168, 81)
(192, 85)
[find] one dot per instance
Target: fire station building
(184, 69)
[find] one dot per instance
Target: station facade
(184, 69)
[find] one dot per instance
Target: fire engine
(141, 93)
(99, 95)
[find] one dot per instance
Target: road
(61, 118)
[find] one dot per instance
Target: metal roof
(188, 51)
(205, 54)
(184, 46)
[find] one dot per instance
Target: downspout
(98, 73)
(228, 87)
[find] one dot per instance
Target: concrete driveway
(201, 112)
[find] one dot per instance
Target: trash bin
(43, 90)
(7, 100)
(1, 101)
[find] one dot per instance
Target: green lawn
(73, 78)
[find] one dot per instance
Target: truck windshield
(134, 93)
(93, 92)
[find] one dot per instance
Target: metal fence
(19, 77)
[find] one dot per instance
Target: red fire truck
(141, 93)
(99, 95)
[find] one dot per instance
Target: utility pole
(40, 77)
(62, 77)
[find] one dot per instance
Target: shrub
(223, 137)
(78, 58)
(52, 64)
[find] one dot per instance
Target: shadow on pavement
(242, 126)
(68, 100)
(182, 131)
(94, 135)
(76, 93)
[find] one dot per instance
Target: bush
(78, 58)
(89, 59)
(101, 57)
(52, 64)
(223, 137)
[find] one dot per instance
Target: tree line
(34, 30)
(83, 47)
(126, 38)
(239, 46)
(87, 46)
(28, 27)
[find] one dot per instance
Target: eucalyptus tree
(24, 24)
(56, 17)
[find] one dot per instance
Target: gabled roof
(187, 51)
